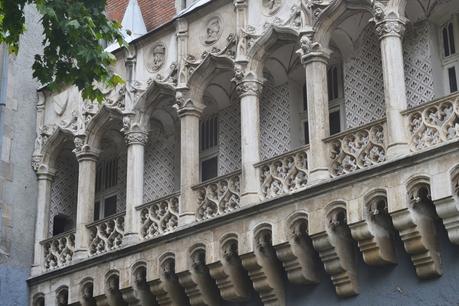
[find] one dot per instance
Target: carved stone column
(189, 114)
(249, 90)
(315, 60)
(45, 179)
(135, 141)
(390, 32)
(87, 160)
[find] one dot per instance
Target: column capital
(45, 174)
(311, 50)
(246, 82)
(186, 106)
(390, 27)
(136, 138)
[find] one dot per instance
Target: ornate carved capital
(390, 27)
(249, 88)
(137, 137)
(310, 50)
(82, 150)
(186, 106)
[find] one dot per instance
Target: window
(61, 224)
(452, 78)
(333, 82)
(106, 188)
(335, 121)
(209, 148)
(449, 47)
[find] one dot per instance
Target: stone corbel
(311, 49)
(230, 276)
(142, 294)
(186, 106)
(87, 295)
(198, 284)
(297, 254)
(113, 294)
(416, 226)
(246, 82)
(374, 233)
(264, 270)
(335, 249)
(167, 288)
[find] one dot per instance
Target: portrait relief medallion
(213, 31)
(155, 57)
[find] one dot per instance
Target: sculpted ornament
(213, 31)
(390, 27)
(317, 7)
(155, 58)
(270, 7)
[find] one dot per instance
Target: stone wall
(17, 179)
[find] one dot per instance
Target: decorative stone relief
(160, 177)
(417, 56)
(213, 31)
(64, 190)
(59, 251)
(106, 235)
(218, 197)
(229, 139)
(270, 7)
(155, 57)
(435, 123)
(297, 255)
(167, 288)
(363, 86)
(374, 234)
(335, 249)
(357, 150)
(285, 174)
(447, 209)
(275, 130)
(416, 226)
(159, 217)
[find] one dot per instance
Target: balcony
(58, 250)
(106, 235)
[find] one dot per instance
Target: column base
(36, 270)
(131, 238)
(186, 218)
(318, 175)
(249, 198)
(80, 254)
(395, 150)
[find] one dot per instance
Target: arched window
(450, 57)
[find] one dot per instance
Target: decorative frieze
(106, 235)
(434, 123)
(284, 174)
(357, 149)
(159, 217)
(219, 196)
(59, 250)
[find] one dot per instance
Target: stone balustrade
(106, 234)
(59, 250)
(357, 148)
(433, 123)
(159, 217)
(218, 196)
(284, 174)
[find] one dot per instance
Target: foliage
(72, 32)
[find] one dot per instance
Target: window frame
(452, 60)
(106, 192)
(210, 152)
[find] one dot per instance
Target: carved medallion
(270, 7)
(213, 32)
(155, 57)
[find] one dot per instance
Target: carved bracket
(336, 252)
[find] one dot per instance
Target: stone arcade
(255, 146)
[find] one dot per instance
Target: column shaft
(42, 219)
(394, 86)
(189, 165)
(134, 183)
(318, 113)
(85, 202)
(250, 147)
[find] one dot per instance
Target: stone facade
(225, 203)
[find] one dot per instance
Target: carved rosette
(136, 138)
